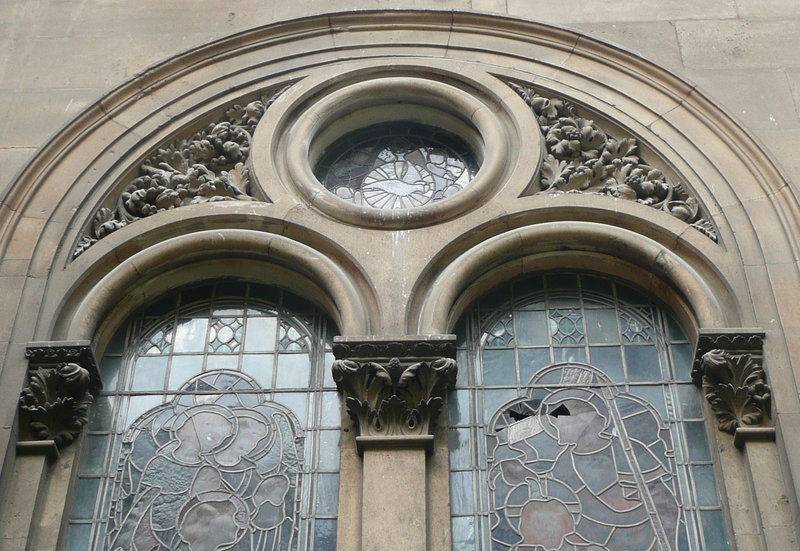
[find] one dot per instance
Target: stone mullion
(394, 391)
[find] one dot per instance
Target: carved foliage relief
(581, 157)
(208, 165)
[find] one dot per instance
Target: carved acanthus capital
(62, 377)
(728, 366)
(394, 396)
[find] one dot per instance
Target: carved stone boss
(395, 389)
(728, 367)
(61, 382)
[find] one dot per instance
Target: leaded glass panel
(583, 432)
(396, 165)
(217, 429)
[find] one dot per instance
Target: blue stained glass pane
(643, 363)
(182, 369)
(327, 494)
(531, 360)
(461, 500)
(462, 377)
(296, 401)
(460, 449)
(149, 373)
(459, 407)
(682, 358)
(325, 535)
(609, 359)
(463, 534)
(653, 395)
(674, 329)
(190, 335)
(602, 326)
(499, 367)
(691, 399)
(227, 361)
(569, 354)
(109, 372)
(260, 334)
(327, 381)
(714, 530)
(698, 442)
(492, 399)
(101, 413)
(531, 327)
(706, 485)
(293, 371)
(259, 367)
(331, 409)
(136, 406)
(329, 449)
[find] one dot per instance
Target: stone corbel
(728, 366)
(395, 389)
(61, 382)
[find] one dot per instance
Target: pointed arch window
(218, 428)
(574, 424)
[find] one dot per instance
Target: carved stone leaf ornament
(57, 402)
(735, 386)
(394, 398)
(206, 166)
(581, 158)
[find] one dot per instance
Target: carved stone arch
(683, 277)
(94, 306)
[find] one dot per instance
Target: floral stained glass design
(398, 165)
(584, 432)
(218, 428)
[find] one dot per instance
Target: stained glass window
(575, 426)
(396, 165)
(218, 428)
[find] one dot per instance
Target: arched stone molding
(678, 275)
(100, 300)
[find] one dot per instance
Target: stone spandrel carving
(207, 166)
(733, 379)
(56, 402)
(581, 158)
(394, 398)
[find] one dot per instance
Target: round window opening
(397, 165)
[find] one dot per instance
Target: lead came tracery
(575, 426)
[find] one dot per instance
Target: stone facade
(198, 168)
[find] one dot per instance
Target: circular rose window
(396, 165)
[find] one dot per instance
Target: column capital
(394, 387)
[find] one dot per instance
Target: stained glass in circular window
(397, 165)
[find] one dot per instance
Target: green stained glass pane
(327, 494)
(101, 413)
(602, 326)
(461, 500)
(531, 327)
(149, 373)
(190, 335)
(714, 530)
(643, 363)
(674, 329)
(691, 399)
(325, 535)
(93, 455)
(697, 439)
(706, 485)
(459, 407)
(682, 358)
(85, 498)
(531, 360)
(463, 533)
(293, 371)
(260, 334)
(109, 372)
(182, 369)
(77, 537)
(499, 367)
(609, 359)
(460, 449)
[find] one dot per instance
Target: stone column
(394, 391)
(728, 366)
